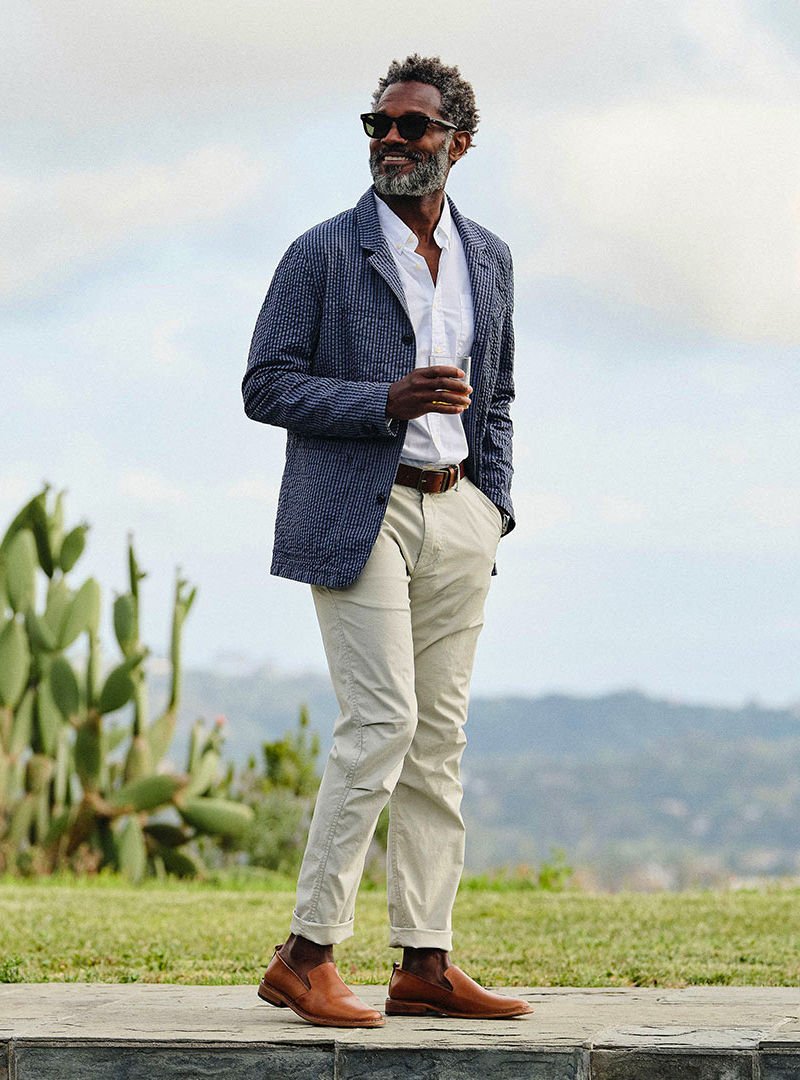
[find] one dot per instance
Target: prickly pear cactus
(63, 787)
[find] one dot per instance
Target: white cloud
(620, 510)
(542, 511)
(736, 46)
(54, 224)
(96, 62)
(255, 488)
(690, 208)
(116, 56)
(776, 506)
(734, 453)
(15, 491)
(44, 392)
(167, 350)
(734, 378)
(150, 489)
(656, 141)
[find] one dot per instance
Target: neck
(420, 212)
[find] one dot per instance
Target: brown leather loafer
(410, 995)
(326, 1001)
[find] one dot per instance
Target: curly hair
(458, 97)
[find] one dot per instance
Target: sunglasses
(410, 126)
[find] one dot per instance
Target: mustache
(411, 155)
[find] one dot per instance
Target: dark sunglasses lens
(376, 125)
(412, 127)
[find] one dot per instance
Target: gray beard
(425, 178)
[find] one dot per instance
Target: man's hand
(430, 389)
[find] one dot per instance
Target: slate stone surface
(776, 1066)
(55, 1061)
(670, 1065)
(362, 1063)
(683, 1037)
(785, 1036)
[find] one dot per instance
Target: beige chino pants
(400, 643)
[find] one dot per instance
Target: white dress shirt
(442, 319)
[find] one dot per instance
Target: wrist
(505, 518)
(390, 403)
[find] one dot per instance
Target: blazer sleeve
(279, 386)
(497, 467)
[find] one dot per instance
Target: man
(394, 497)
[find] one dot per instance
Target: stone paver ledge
(95, 1031)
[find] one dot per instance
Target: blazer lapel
(481, 274)
(372, 239)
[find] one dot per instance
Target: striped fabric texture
(333, 334)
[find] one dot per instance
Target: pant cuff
(321, 933)
(402, 936)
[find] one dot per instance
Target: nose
(393, 135)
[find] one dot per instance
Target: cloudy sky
(640, 157)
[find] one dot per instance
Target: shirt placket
(438, 348)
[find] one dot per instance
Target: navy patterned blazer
(332, 335)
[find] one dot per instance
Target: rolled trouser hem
(413, 938)
(321, 933)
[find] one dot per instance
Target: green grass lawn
(101, 930)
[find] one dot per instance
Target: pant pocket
(488, 505)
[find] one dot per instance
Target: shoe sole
(281, 1001)
(422, 1008)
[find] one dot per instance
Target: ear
(459, 144)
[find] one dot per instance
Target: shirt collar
(401, 238)
(444, 230)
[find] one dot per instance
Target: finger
(441, 407)
(454, 386)
(443, 393)
(439, 371)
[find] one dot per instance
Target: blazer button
(380, 498)
(408, 339)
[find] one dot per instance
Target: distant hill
(629, 720)
(694, 809)
(262, 704)
(634, 788)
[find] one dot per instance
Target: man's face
(403, 167)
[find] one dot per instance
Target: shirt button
(399, 247)
(407, 339)
(438, 349)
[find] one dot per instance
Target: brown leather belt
(430, 481)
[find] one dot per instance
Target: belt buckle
(450, 475)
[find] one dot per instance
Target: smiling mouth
(396, 160)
